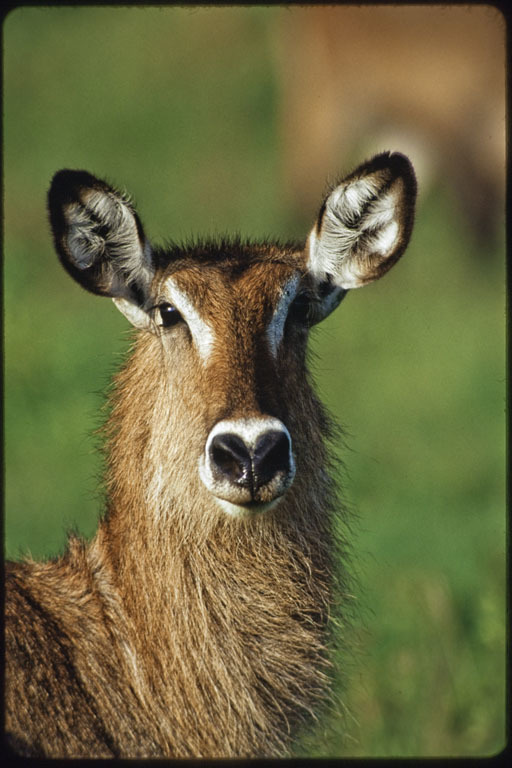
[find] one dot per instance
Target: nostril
(271, 455)
(248, 462)
(230, 455)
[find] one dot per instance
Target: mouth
(248, 509)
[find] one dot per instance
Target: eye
(169, 315)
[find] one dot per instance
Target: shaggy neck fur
(228, 617)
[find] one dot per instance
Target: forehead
(214, 275)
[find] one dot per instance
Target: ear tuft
(365, 223)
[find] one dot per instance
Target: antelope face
(238, 314)
(235, 314)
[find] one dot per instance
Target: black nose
(251, 467)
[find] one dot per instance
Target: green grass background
(179, 106)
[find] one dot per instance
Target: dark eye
(300, 309)
(169, 315)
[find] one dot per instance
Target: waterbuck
(196, 622)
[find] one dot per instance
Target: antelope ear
(100, 241)
(364, 225)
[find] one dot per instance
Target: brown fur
(149, 652)
(181, 631)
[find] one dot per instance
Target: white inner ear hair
(353, 226)
(103, 226)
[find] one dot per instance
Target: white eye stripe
(202, 332)
(275, 328)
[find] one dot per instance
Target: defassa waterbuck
(196, 622)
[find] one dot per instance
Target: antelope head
(231, 320)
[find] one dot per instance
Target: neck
(228, 615)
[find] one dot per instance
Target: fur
(177, 631)
(186, 628)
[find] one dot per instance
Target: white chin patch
(249, 510)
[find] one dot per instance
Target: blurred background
(233, 120)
